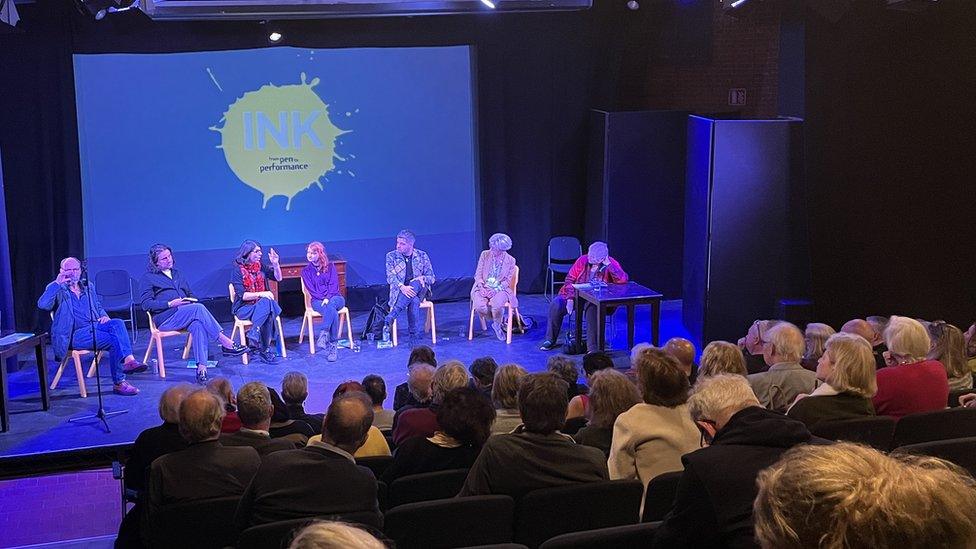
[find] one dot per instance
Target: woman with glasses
(909, 382)
(846, 369)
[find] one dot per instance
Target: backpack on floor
(374, 323)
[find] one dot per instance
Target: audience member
(483, 374)
(850, 496)
(255, 409)
(465, 417)
(847, 371)
(815, 338)
(650, 438)
(722, 357)
(752, 346)
(778, 387)
(910, 383)
(375, 444)
(878, 324)
(593, 362)
(375, 388)
(862, 328)
(402, 396)
(334, 535)
(948, 346)
(713, 501)
(205, 469)
(971, 347)
(683, 350)
(422, 422)
(419, 382)
(504, 395)
(294, 391)
(284, 426)
(611, 394)
(536, 455)
(221, 387)
(319, 479)
(565, 367)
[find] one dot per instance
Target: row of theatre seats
(421, 510)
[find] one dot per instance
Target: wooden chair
(156, 338)
(241, 326)
(311, 315)
(512, 312)
(75, 356)
(430, 325)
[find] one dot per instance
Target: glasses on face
(759, 335)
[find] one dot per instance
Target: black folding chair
(204, 523)
(961, 451)
(562, 252)
(632, 536)
(279, 534)
(549, 512)
(454, 522)
(659, 498)
(938, 425)
(114, 289)
(875, 431)
(427, 486)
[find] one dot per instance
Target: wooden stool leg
(281, 339)
(152, 339)
(348, 329)
(81, 376)
(508, 335)
(94, 364)
(301, 331)
(433, 326)
(311, 333)
(393, 328)
(186, 347)
(159, 357)
(244, 358)
(57, 375)
(471, 325)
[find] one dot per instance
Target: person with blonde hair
(847, 371)
(778, 387)
(909, 383)
(722, 357)
(845, 495)
(334, 535)
(493, 282)
(650, 438)
(815, 338)
(422, 422)
(611, 394)
(949, 348)
(504, 395)
(713, 501)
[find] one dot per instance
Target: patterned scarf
(253, 277)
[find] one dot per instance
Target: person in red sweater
(595, 264)
(909, 383)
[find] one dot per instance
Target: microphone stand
(93, 318)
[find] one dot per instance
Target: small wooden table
(627, 295)
(36, 341)
(292, 268)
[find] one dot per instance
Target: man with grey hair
(410, 276)
(422, 421)
(865, 329)
(254, 408)
(205, 469)
(595, 265)
(779, 386)
(713, 502)
(319, 479)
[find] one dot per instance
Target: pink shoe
(126, 389)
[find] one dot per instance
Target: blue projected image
(284, 145)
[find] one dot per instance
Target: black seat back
(660, 496)
(204, 523)
(875, 431)
(454, 522)
(632, 536)
(376, 464)
(961, 451)
(938, 425)
(426, 486)
(279, 534)
(546, 513)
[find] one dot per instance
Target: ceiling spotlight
(633, 5)
(488, 3)
(274, 37)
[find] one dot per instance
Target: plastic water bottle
(386, 334)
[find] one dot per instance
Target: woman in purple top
(322, 283)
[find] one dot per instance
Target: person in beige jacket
(493, 282)
(650, 438)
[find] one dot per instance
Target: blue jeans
(411, 304)
(330, 314)
(112, 336)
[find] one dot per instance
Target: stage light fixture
(100, 8)
(737, 3)
(633, 5)
(488, 3)
(274, 37)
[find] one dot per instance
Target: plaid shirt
(396, 271)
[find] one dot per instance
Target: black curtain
(538, 75)
(890, 135)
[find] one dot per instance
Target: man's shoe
(236, 350)
(125, 389)
(333, 353)
(269, 357)
(547, 345)
(133, 367)
(202, 378)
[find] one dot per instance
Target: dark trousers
(111, 336)
(263, 313)
(411, 304)
(557, 310)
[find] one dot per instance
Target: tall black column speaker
(635, 193)
(745, 224)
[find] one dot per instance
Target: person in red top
(595, 264)
(909, 383)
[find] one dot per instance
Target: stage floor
(34, 432)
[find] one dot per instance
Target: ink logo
(279, 140)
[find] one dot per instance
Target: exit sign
(737, 96)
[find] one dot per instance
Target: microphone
(84, 274)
